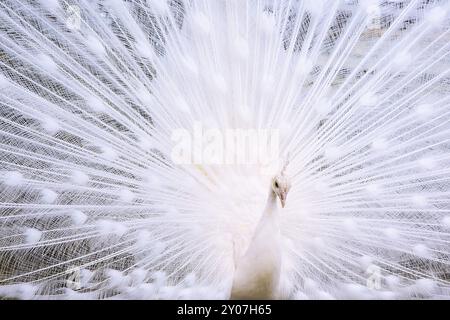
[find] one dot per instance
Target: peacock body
(93, 205)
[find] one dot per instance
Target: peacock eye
(276, 184)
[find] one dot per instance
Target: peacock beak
(283, 199)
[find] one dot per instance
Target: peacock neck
(271, 205)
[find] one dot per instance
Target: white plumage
(93, 205)
(257, 273)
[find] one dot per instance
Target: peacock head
(281, 183)
(281, 186)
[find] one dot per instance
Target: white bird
(135, 151)
(257, 273)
